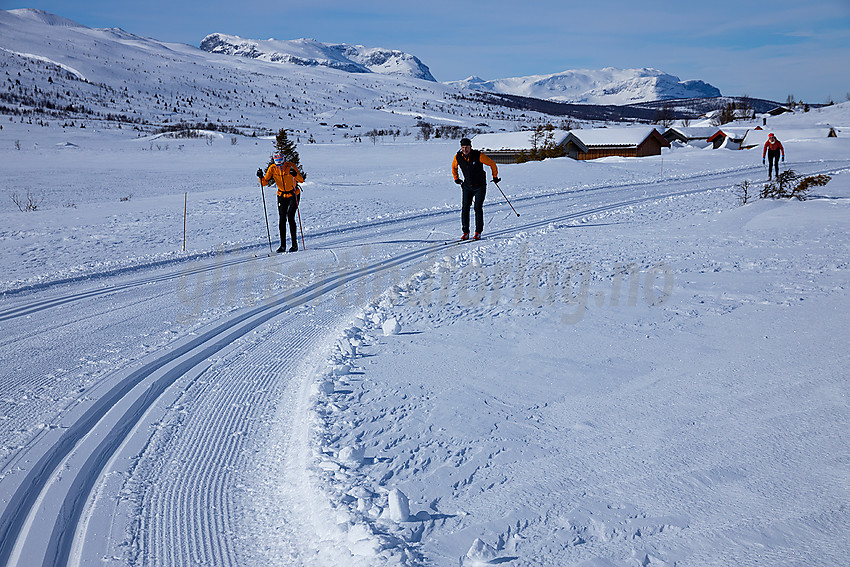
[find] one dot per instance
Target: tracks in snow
(341, 236)
(58, 469)
(47, 485)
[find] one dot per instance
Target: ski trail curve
(87, 437)
(56, 473)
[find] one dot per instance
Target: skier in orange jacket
(474, 184)
(772, 147)
(287, 177)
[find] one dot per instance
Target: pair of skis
(461, 241)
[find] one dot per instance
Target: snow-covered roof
(512, 140)
(628, 136)
(694, 132)
(779, 110)
(734, 133)
(622, 137)
(759, 137)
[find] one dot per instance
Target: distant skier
(474, 184)
(772, 147)
(287, 177)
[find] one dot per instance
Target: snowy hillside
(42, 17)
(309, 52)
(60, 72)
(604, 86)
(65, 73)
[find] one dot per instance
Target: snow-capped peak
(597, 86)
(310, 52)
(45, 18)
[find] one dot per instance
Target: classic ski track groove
(206, 478)
(100, 427)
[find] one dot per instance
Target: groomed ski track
(253, 362)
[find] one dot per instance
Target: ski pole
(266, 215)
(185, 207)
(506, 198)
(298, 210)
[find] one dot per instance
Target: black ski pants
(286, 209)
(772, 162)
(470, 195)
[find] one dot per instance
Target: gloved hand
(458, 181)
(293, 172)
(496, 179)
(260, 172)
(783, 159)
(762, 161)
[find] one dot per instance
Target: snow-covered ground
(634, 371)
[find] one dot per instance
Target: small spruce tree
(543, 144)
(550, 147)
(286, 147)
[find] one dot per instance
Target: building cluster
(634, 141)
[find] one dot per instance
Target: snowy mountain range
(57, 69)
(603, 86)
(309, 52)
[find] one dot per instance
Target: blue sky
(768, 49)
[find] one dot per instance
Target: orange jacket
(287, 184)
(484, 159)
(776, 145)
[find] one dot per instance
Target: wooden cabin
(595, 143)
(779, 110)
(692, 135)
(731, 139)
